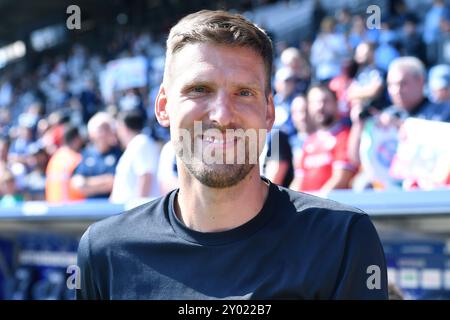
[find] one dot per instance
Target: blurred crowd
(341, 100)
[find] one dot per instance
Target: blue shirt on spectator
(426, 110)
(431, 26)
(94, 163)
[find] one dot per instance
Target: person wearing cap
(285, 87)
(9, 195)
(19, 145)
(439, 83)
(36, 163)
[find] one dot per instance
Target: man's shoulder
(127, 225)
(308, 206)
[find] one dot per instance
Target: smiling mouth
(219, 141)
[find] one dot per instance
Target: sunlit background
(60, 66)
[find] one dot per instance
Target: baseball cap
(439, 77)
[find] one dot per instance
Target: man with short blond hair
(227, 232)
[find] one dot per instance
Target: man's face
(299, 112)
(405, 88)
(221, 88)
(322, 108)
(363, 53)
(102, 137)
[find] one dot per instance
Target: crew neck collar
(229, 236)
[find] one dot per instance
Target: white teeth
(217, 141)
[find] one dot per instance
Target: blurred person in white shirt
(136, 171)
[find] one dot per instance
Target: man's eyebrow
(249, 85)
(196, 82)
(201, 82)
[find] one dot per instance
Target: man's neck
(206, 209)
(130, 136)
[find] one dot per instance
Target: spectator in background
(369, 80)
(399, 15)
(305, 48)
(136, 172)
(19, 145)
(89, 99)
(5, 122)
(340, 85)
(132, 100)
(293, 59)
(94, 176)
(276, 159)
(411, 41)
(304, 127)
(61, 166)
(285, 86)
(343, 21)
(405, 80)
(328, 51)
(4, 150)
(439, 84)
(325, 165)
(387, 49)
(431, 29)
(35, 112)
(318, 14)
(60, 95)
(35, 179)
(53, 132)
(10, 197)
(359, 32)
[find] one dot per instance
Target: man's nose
(221, 110)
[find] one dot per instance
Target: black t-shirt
(297, 247)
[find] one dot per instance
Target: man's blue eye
(245, 93)
(199, 89)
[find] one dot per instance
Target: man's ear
(270, 114)
(161, 107)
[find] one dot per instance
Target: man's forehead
(208, 52)
(199, 62)
(397, 75)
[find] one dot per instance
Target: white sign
(123, 74)
(423, 154)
